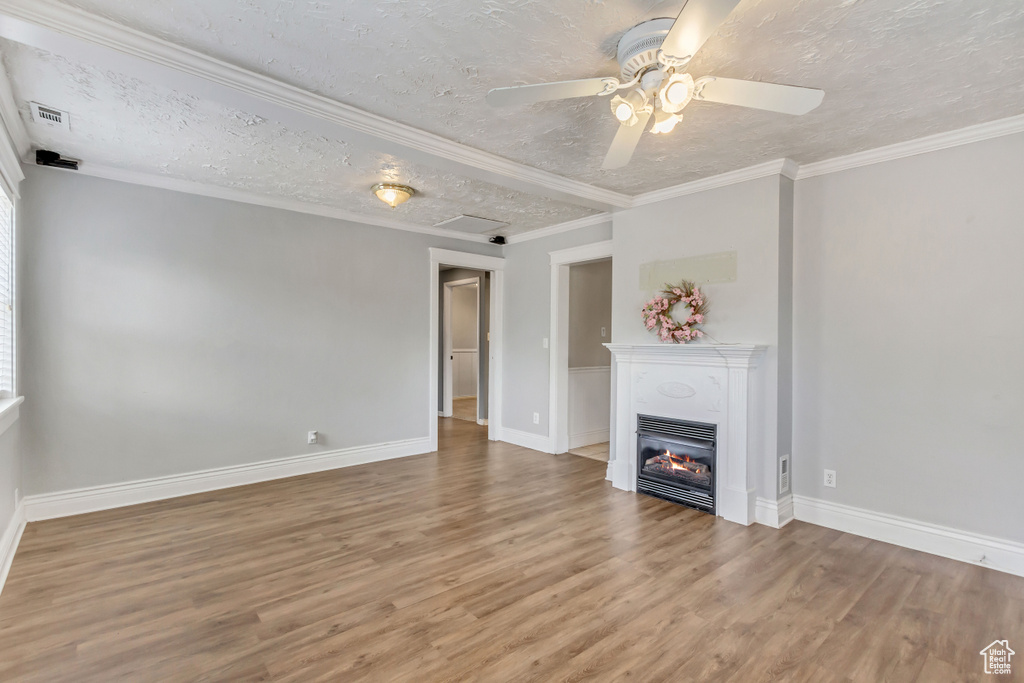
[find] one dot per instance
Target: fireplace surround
(715, 385)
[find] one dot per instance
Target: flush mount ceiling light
(393, 194)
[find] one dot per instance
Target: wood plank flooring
(483, 562)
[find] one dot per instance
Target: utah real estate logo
(997, 657)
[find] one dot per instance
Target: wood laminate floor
(464, 408)
(483, 562)
(595, 451)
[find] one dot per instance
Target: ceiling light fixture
(393, 194)
(676, 93)
(665, 122)
(626, 108)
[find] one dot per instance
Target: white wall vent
(48, 116)
(783, 474)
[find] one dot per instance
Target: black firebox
(676, 461)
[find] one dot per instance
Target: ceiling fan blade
(626, 140)
(785, 99)
(696, 22)
(542, 92)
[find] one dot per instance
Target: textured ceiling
(124, 123)
(891, 71)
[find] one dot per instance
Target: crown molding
(769, 168)
(14, 142)
(931, 143)
(234, 195)
(25, 18)
(576, 224)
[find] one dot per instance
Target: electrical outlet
(536, 418)
(830, 478)
(604, 332)
(313, 437)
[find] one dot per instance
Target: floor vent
(48, 116)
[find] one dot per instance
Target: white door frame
(447, 391)
(558, 373)
(496, 266)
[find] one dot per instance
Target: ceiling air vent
(48, 116)
(471, 224)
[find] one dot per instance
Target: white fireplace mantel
(697, 382)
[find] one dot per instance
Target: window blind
(6, 296)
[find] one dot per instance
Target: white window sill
(9, 412)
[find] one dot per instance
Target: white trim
(930, 143)
(51, 25)
(447, 393)
(465, 259)
(558, 228)
(536, 442)
(558, 351)
(770, 168)
(776, 514)
(9, 412)
(14, 141)
(986, 551)
(234, 195)
(591, 369)
(10, 540)
(496, 266)
(594, 251)
(91, 499)
(588, 438)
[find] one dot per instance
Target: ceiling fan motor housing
(638, 47)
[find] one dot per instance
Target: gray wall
(908, 329)
(590, 309)
(465, 322)
(483, 371)
(528, 321)
(165, 333)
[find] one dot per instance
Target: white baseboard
(80, 501)
(776, 514)
(9, 542)
(986, 551)
(536, 442)
(588, 438)
(481, 421)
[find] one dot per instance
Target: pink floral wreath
(658, 313)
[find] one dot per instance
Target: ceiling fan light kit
(654, 54)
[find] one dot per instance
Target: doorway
(464, 330)
(490, 270)
(580, 373)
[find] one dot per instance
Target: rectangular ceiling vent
(471, 224)
(48, 116)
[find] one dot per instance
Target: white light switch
(604, 332)
(545, 342)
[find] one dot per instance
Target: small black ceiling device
(498, 239)
(45, 157)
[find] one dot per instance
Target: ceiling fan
(653, 82)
